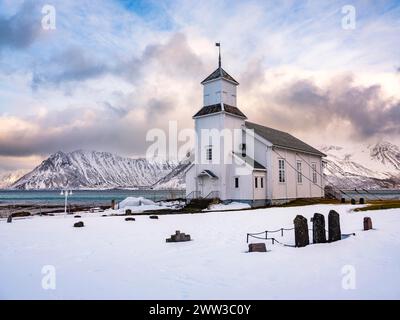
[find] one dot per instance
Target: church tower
(220, 93)
(219, 113)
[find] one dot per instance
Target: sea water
(83, 197)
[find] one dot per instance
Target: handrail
(194, 195)
(212, 195)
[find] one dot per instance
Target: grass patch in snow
(309, 202)
(380, 205)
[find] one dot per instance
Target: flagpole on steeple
(218, 44)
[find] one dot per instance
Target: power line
(341, 191)
(298, 171)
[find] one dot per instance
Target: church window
(282, 177)
(299, 172)
(314, 172)
(209, 153)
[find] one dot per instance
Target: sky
(112, 70)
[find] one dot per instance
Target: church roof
(215, 108)
(208, 173)
(282, 139)
(250, 161)
(220, 73)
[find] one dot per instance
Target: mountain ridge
(372, 166)
(83, 169)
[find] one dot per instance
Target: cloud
(22, 29)
(365, 108)
(72, 64)
(173, 59)
(106, 75)
(68, 130)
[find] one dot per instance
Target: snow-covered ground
(113, 259)
(141, 204)
(229, 206)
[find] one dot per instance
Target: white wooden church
(263, 166)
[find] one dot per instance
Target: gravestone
(179, 237)
(343, 200)
(257, 247)
(113, 204)
(367, 223)
(301, 232)
(79, 224)
(362, 201)
(353, 201)
(128, 211)
(9, 219)
(319, 233)
(334, 233)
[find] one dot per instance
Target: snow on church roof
(282, 139)
(220, 74)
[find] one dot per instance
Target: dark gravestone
(257, 247)
(129, 219)
(9, 219)
(362, 201)
(79, 224)
(343, 200)
(128, 211)
(319, 233)
(334, 226)
(179, 237)
(112, 204)
(353, 201)
(301, 232)
(367, 223)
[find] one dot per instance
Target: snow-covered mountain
(371, 166)
(8, 178)
(176, 178)
(93, 170)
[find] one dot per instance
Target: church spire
(218, 44)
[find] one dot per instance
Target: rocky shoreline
(24, 210)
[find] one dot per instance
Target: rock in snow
(79, 224)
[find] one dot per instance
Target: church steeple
(219, 73)
(219, 92)
(218, 44)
